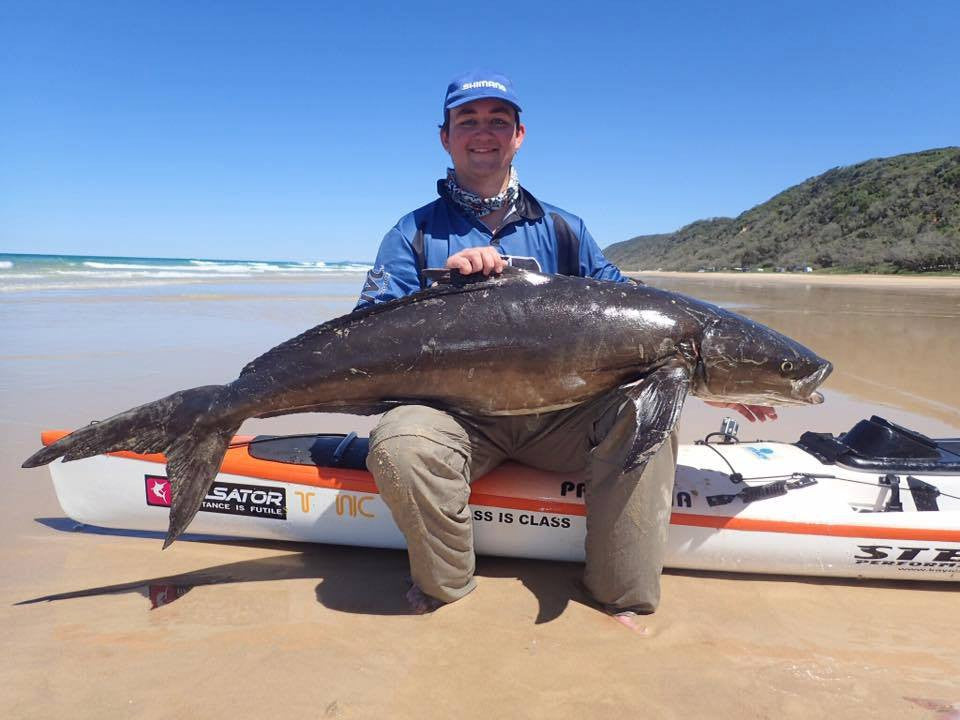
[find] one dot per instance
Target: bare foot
(628, 619)
(420, 602)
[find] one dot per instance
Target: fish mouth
(806, 389)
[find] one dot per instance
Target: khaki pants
(423, 461)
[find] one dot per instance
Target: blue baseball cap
(477, 85)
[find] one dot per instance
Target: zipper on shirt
(509, 219)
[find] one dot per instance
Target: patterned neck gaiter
(476, 206)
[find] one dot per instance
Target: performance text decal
(924, 559)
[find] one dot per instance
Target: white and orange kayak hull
(827, 520)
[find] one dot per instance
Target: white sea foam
(169, 274)
(111, 283)
(194, 266)
(128, 266)
(70, 273)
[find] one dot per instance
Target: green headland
(889, 215)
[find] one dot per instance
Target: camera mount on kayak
(727, 434)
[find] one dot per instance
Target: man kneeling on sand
(424, 459)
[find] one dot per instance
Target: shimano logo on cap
(484, 84)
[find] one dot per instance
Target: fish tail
(192, 428)
(192, 464)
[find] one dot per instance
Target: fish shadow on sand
(351, 579)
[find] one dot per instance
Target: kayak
(877, 502)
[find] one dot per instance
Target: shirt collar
(526, 205)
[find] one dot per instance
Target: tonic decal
(762, 453)
(306, 498)
(352, 506)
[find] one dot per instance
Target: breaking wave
(45, 272)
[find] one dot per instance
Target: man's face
(482, 139)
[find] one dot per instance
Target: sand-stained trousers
(423, 461)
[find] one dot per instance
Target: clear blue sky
(303, 130)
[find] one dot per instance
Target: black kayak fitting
(878, 444)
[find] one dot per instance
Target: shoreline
(852, 280)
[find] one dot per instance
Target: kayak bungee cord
(738, 478)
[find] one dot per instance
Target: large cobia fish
(519, 343)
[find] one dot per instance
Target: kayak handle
(342, 447)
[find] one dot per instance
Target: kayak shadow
(555, 584)
(65, 524)
(351, 579)
(375, 582)
(749, 579)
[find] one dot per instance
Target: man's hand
(483, 259)
(750, 412)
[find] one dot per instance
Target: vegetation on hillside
(898, 214)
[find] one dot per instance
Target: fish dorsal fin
(447, 276)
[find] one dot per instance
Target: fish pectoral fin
(658, 400)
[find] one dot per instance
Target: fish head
(745, 362)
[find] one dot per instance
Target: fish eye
(786, 366)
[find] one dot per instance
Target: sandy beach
(260, 628)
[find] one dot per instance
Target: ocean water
(38, 273)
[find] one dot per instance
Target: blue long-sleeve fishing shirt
(556, 240)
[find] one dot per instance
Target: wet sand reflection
(891, 346)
